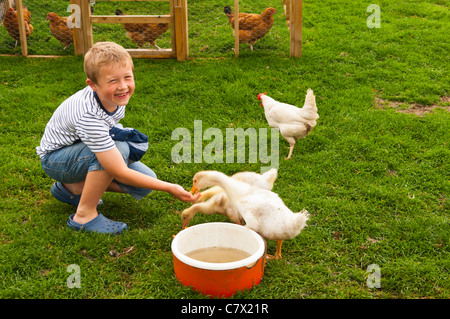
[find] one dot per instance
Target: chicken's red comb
(259, 95)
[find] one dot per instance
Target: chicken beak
(194, 190)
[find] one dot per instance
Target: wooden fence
(178, 20)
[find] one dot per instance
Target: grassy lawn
(374, 173)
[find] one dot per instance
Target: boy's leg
(77, 188)
(71, 164)
(74, 188)
(95, 185)
(97, 182)
(86, 217)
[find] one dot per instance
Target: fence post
(236, 28)
(22, 31)
(87, 36)
(295, 26)
(78, 40)
(181, 27)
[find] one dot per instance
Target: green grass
(376, 181)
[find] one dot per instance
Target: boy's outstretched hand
(179, 192)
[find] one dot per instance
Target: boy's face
(115, 85)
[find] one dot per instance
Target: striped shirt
(80, 117)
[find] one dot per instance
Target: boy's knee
(144, 169)
(124, 149)
(151, 173)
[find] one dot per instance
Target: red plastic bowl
(219, 279)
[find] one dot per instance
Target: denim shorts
(71, 164)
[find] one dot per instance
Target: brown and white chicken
(292, 122)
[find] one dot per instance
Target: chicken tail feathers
(271, 175)
(310, 101)
(227, 10)
(310, 96)
(302, 218)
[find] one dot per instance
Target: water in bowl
(218, 254)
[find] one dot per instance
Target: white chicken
(215, 201)
(292, 122)
(262, 210)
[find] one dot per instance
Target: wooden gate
(83, 37)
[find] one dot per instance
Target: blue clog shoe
(99, 224)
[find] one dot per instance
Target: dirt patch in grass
(414, 108)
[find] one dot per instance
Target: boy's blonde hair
(103, 53)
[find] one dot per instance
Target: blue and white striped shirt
(80, 117)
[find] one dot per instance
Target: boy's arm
(112, 161)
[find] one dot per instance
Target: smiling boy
(78, 151)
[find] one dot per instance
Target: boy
(78, 152)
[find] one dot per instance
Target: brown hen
(60, 30)
(252, 27)
(11, 23)
(141, 33)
